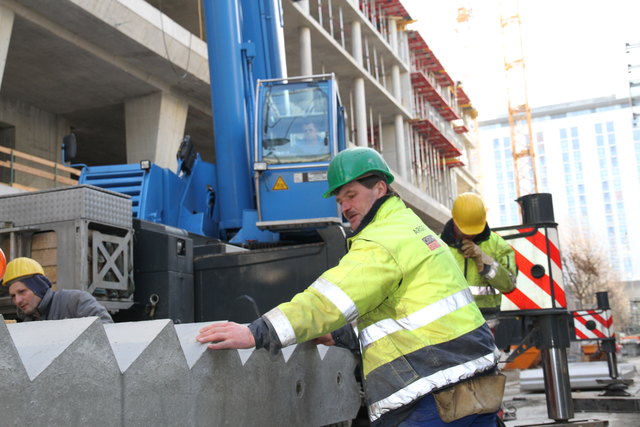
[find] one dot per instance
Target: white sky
(573, 50)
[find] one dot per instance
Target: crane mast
(522, 142)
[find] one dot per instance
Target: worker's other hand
(473, 251)
(326, 339)
(226, 335)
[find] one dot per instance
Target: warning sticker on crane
(309, 177)
(592, 324)
(539, 283)
(280, 184)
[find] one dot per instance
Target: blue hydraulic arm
(245, 43)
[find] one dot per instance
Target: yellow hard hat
(469, 213)
(19, 268)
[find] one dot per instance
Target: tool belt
(478, 395)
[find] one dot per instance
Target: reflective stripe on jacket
(419, 328)
(486, 291)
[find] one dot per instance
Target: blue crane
(274, 139)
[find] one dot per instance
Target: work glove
(473, 251)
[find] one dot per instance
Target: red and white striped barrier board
(539, 284)
(592, 324)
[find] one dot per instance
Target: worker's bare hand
(326, 339)
(226, 335)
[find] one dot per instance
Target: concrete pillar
(400, 145)
(306, 62)
(155, 127)
(6, 26)
(393, 35)
(304, 5)
(360, 112)
(396, 85)
(356, 42)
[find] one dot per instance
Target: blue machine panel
(296, 194)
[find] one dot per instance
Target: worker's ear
(381, 188)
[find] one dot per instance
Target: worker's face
(24, 298)
(356, 200)
(310, 132)
(460, 235)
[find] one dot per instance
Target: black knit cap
(38, 284)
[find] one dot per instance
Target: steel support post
(608, 345)
(554, 340)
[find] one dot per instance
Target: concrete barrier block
(155, 373)
(14, 383)
(79, 372)
(221, 373)
(332, 393)
(192, 349)
(75, 380)
(300, 387)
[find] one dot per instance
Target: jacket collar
(45, 304)
(370, 216)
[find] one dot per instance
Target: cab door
(298, 131)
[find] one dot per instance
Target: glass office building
(587, 155)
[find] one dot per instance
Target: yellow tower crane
(522, 142)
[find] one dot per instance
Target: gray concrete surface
(531, 408)
(78, 372)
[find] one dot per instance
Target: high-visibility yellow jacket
(486, 289)
(419, 328)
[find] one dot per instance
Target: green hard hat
(351, 164)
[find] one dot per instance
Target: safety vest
(486, 291)
(419, 328)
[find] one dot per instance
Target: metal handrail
(45, 169)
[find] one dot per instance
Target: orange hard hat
(3, 264)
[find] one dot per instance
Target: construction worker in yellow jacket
(419, 329)
(486, 259)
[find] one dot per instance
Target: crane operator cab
(299, 129)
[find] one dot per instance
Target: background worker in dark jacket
(485, 258)
(31, 293)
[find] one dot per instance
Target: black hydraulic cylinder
(536, 208)
(602, 299)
